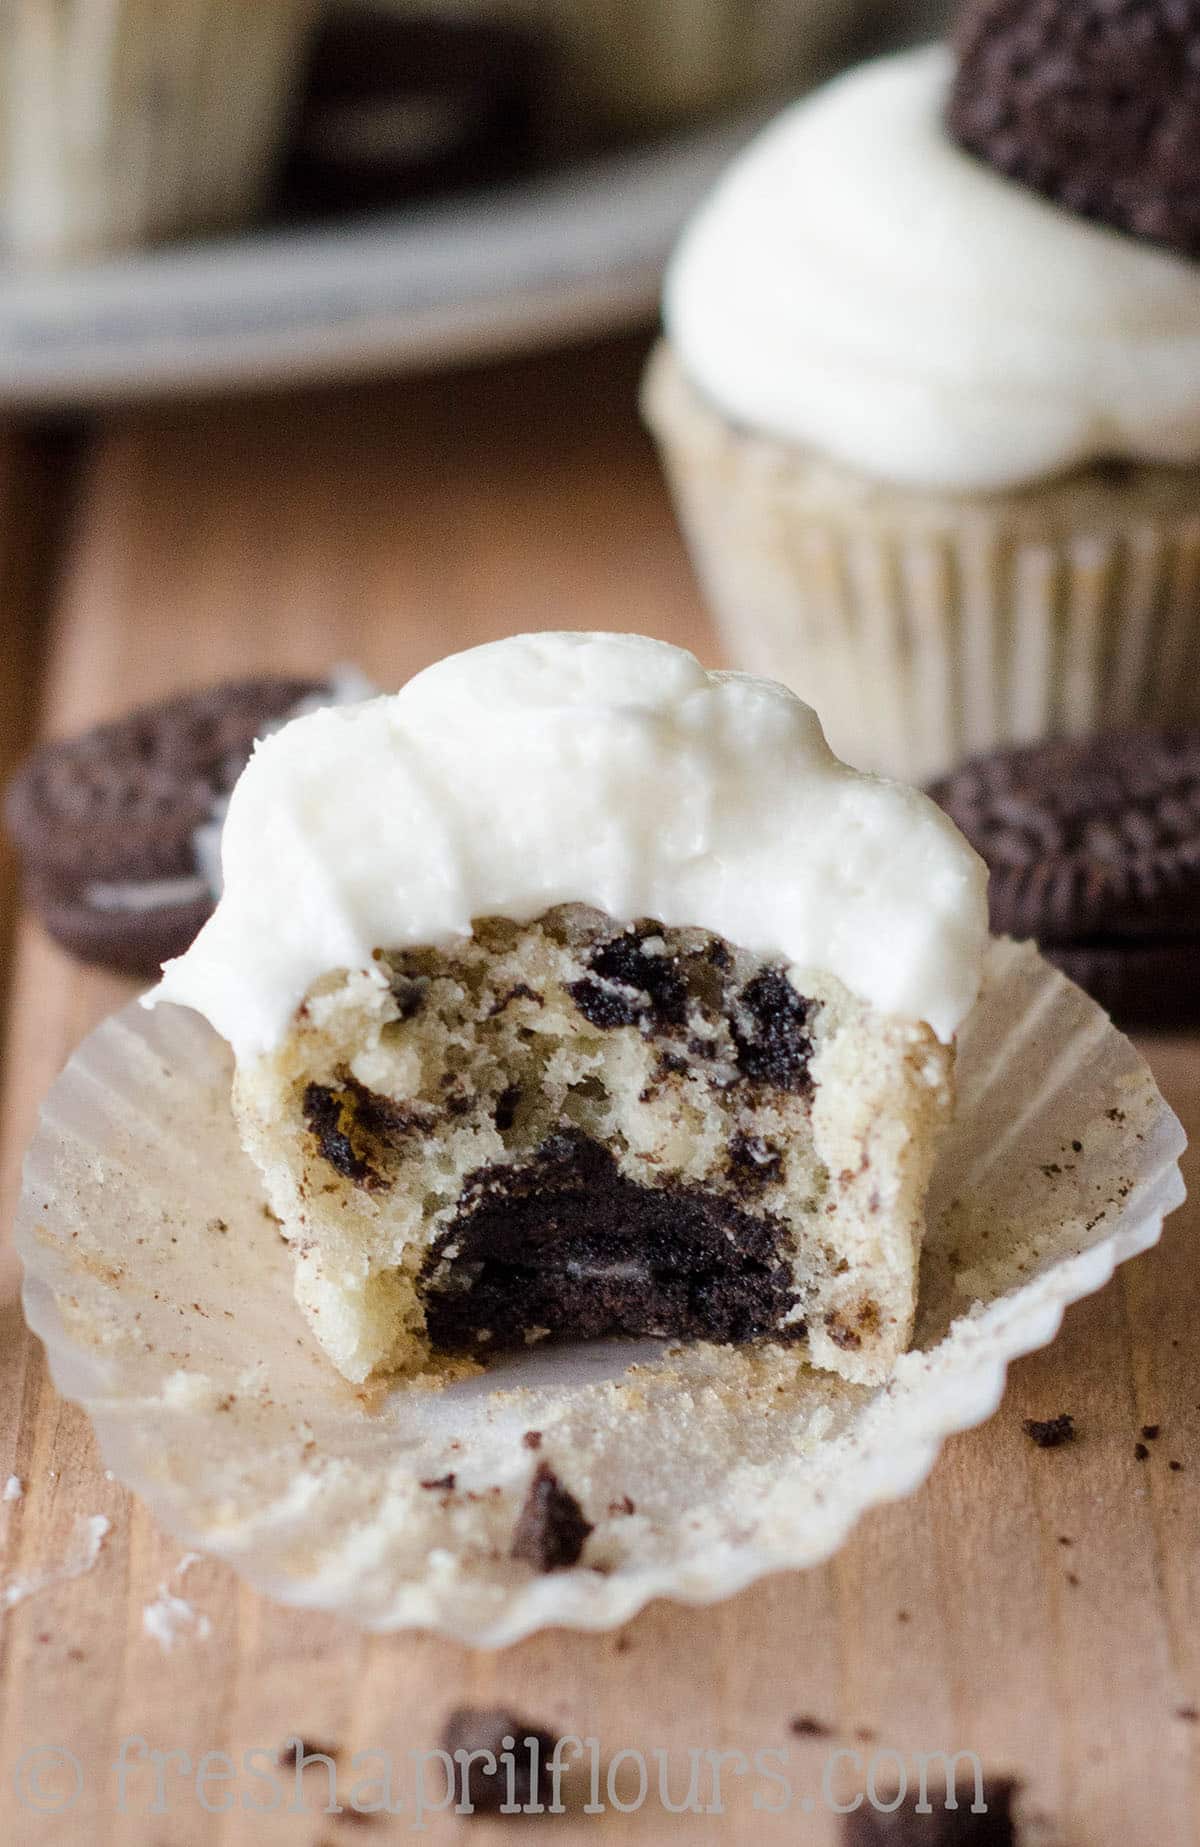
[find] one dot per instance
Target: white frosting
(600, 769)
(858, 283)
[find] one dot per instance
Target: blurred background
(206, 194)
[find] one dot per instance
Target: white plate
(567, 254)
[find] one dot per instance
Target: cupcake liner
(925, 628)
(162, 1289)
(128, 120)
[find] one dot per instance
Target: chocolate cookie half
(111, 825)
(1095, 104)
(1094, 851)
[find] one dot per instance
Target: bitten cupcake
(930, 395)
(576, 992)
(126, 121)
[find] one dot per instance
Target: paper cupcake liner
(162, 1290)
(925, 628)
(127, 120)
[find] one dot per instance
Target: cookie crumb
(497, 1733)
(904, 1826)
(296, 1750)
(1050, 1432)
(14, 1488)
(551, 1529)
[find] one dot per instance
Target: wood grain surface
(1041, 1608)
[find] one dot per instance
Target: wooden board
(387, 526)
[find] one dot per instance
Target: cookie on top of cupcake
(930, 393)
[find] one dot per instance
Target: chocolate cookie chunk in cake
(1094, 104)
(117, 828)
(1094, 850)
(398, 105)
(583, 994)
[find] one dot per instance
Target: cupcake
(575, 992)
(930, 392)
(131, 120)
(653, 62)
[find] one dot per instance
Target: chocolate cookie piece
(396, 106)
(107, 823)
(486, 1732)
(551, 1531)
(1095, 104)
(961, 1826)
(1094, 851)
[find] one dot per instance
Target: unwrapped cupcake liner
(129, 120)
(926, 628)
(162, 1289)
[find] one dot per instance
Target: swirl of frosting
(858, 284)
(600, 769)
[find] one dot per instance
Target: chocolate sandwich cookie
(1095, 105)
(398, 106)
(1094, 851)
(111, 826)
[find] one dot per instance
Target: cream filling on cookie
(858, 284)
(604, 770)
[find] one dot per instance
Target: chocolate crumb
(475, 1730)
(444, 1483)
(1073, 1580)
(1150, 1431)
(1189, 1714)
(1141, 1453)
(1065, 1540)
(805, 1726)
(301, 1750)
(903, 1826)
(1050, 1432)
(551, 1530)
(532, 1439)
(506, 1108)
(623, 1506)
(1175, 1467)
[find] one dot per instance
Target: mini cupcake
(930, 396)
(131, 120)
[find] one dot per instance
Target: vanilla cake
(576, 992)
